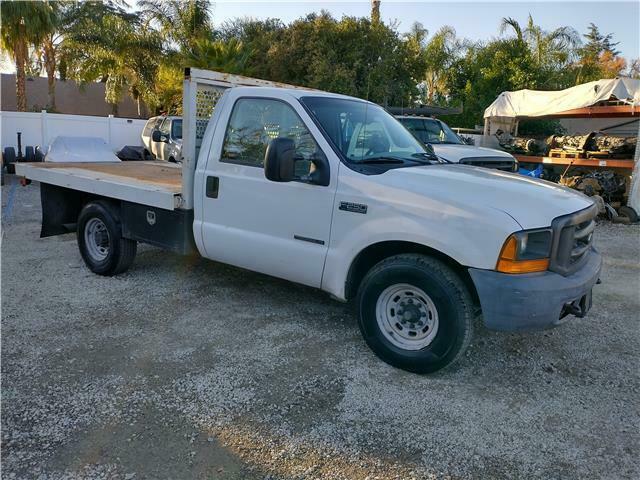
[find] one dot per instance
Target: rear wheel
(415, 313)
(39, 155)
(630, 213)
(29, 154)
(100, 240)
(9, 159)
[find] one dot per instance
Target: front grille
(572, 240)
(499, 163)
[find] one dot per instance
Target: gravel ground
(185, 368)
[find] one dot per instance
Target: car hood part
(531, 202)
(455, 153)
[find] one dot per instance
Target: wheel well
(377, 252)
(61, 208)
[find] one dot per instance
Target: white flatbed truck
(332, 192)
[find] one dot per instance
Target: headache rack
(202, 90)
(572, 240)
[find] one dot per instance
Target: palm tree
(117, 50)
(509, 22)
(228, 57)
(67, 18)
(375, 11)
(547, 48)
(181, 22)
(439, 53)
(23, 24)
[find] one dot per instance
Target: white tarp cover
(80, 149)
(536, 103)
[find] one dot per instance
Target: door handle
(212, 187)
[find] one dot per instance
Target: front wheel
(415, 313)
(100, 240)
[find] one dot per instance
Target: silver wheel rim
(96, 239)
(407, 316)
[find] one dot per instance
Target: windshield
(176, 129)
(364, 133)
(430, 130)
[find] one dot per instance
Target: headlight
(526, 252)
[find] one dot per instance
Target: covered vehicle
(79, 149)
(448, 146)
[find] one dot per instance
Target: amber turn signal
(508, 261)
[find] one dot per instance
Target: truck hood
(455, 153)
(531, 202)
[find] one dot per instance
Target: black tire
(29, 154)
(447, 293)
(39, 155)
(630, 213)
(9, 159)
(117, 253)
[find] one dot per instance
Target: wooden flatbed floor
(157, 184)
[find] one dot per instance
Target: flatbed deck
(157, 184)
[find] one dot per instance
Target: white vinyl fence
(41, 128)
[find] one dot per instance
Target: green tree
(439, 53)
(351, 56)
(551, 51)
(224, 56)
(180, 22)
(23, 24)
(117, 49)
(598, 57)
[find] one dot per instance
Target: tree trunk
(20, 58)
(50, 67)
(375, 11)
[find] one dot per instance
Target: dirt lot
(184, 368)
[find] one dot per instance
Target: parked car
(450, 147)
(332, 192)
(162, 138)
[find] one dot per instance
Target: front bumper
(534, 301)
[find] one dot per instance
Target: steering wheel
(377, 144)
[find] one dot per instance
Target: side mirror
(279, 163)
(429, 148)
(157, 136)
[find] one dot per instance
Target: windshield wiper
(428, 158)
(380, 160)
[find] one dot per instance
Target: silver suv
(162, 138)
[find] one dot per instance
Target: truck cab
(333, 192)
(448, 146)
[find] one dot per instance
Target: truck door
(281, 229)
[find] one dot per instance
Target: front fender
(470, 242)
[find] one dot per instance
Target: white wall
(580, 126)
(42, 128)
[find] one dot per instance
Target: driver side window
(255, 122)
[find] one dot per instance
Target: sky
(471, 20)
